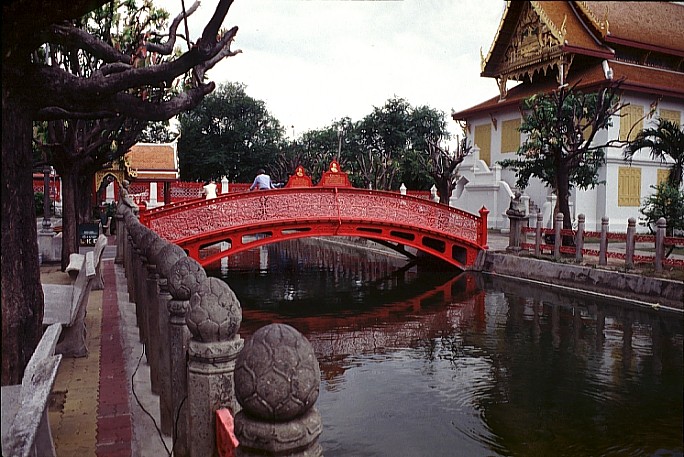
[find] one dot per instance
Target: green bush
(667, 202)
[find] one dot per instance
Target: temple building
(150, 168)
(540, 46)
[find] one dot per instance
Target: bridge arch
(250, 219)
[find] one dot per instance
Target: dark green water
(432, 363)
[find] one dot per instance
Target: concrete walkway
(100, 403)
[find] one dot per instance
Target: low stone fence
(189, 324)
(559, 241)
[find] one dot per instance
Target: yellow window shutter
(663, 174)
(631, 120)
(483, 139)
(510, 136)
(629, 186)
(671, 115)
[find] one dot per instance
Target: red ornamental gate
(250, 219)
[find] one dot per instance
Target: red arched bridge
(250, 219)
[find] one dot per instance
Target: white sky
(313, 62)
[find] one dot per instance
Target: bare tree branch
(166, 48)
(129, 105)
(77, 38)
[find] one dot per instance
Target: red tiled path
(114, 425)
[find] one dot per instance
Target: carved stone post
(184, 278)
(579, 238)
(165, 255)
(538, 234)
(661, 225)
(214, 320)
(630, 245)
(603, 244)
(120, 233)
(558, 241)
(149, 296)
(277, 379)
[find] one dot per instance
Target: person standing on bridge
(262, 181)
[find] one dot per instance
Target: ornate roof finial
(562, 29)
(482, 60)
(604, 22)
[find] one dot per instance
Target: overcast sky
(313, 62)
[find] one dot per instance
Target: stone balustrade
(561, 241)
(189, 325)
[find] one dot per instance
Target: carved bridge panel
(176, 222)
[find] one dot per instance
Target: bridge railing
(287, 204)
(189, 324)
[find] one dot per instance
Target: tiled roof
(652, 25)
(157, 157)
(655, 26)
(637, 78)
(577, 36)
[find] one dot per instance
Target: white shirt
(262, 182)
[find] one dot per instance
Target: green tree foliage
(665, 140)
(158, 132)
(229, 134)
(380, 151)
(667, 202)
(560, 150)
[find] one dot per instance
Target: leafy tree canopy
(381, 150)
(228, 134)
(560, 149)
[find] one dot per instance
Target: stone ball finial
(185, 278)
(215, 313)
(277, 376)
(167, 257)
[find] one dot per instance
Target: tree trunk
(22, 295)
(444, 190)
(564, 198)
(84, 198)
(69, 217)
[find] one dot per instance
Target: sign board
(334, 177)
(299, 179)
(88, 233)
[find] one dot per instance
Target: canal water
(430, 362)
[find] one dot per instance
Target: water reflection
(435, 364)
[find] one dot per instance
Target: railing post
(214, 320)
(579, 238)
(558, 240)
(120, 233)
(538, 233)
(603, 246)
(661, 226)
(630, 244)
(279, 416)
(482, 234)
(184, 277)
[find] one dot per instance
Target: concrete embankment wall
(640, 289)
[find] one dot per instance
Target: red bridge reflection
(336, 338)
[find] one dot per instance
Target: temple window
(631, 122)
(629, 186)
(483, 140)
(510, 136)
(671, 115)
